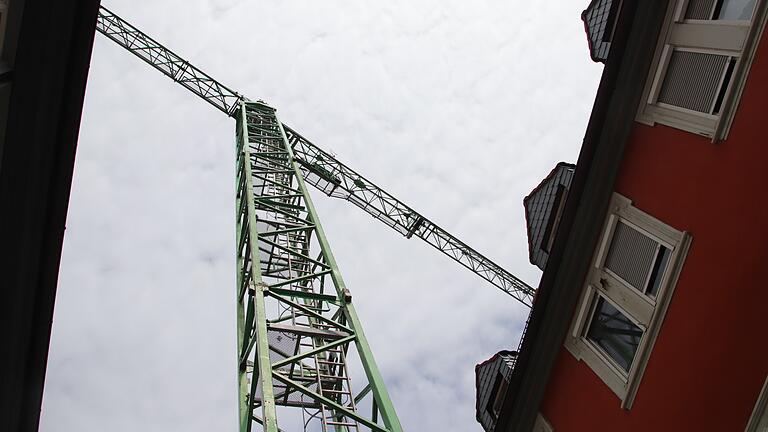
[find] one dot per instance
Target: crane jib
(326, 173)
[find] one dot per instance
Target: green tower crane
(297, 330)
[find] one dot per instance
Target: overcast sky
(458, 108)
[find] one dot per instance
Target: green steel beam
(304, 295)
(242, 378)
(312, 352)
(269, 413)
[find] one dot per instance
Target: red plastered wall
(711, 357)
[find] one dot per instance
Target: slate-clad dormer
(491, 379)
(543, 209)
(599, 23)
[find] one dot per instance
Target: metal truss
(296, 320)
(321, 169)
(166, 61)
(337, 180)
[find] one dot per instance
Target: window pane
(554, 219)
(499, 397)
(498, 392)
(616, 334)
(738, 10)
(730, 10)
(662, 258)
(631, 255)
(724, 86)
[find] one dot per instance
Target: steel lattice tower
(296, 322)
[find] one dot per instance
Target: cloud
(458, 109)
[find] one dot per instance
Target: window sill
(703, 124)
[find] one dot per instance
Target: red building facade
(710, 360)
(660, 323)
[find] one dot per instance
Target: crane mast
(296, 322)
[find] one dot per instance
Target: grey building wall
(539, 207)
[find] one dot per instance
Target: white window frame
(645, 311)
(758, 421)
(731, 38)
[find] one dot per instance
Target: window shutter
(631, 255)
(722, 10)
(699, 9)
(693, 80)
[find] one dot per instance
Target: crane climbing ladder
(296, 323)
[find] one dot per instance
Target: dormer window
(554, 218)
(492, 378)
(497, 398)
(543, 210)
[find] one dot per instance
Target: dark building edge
(47, 50)
(607, 132)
